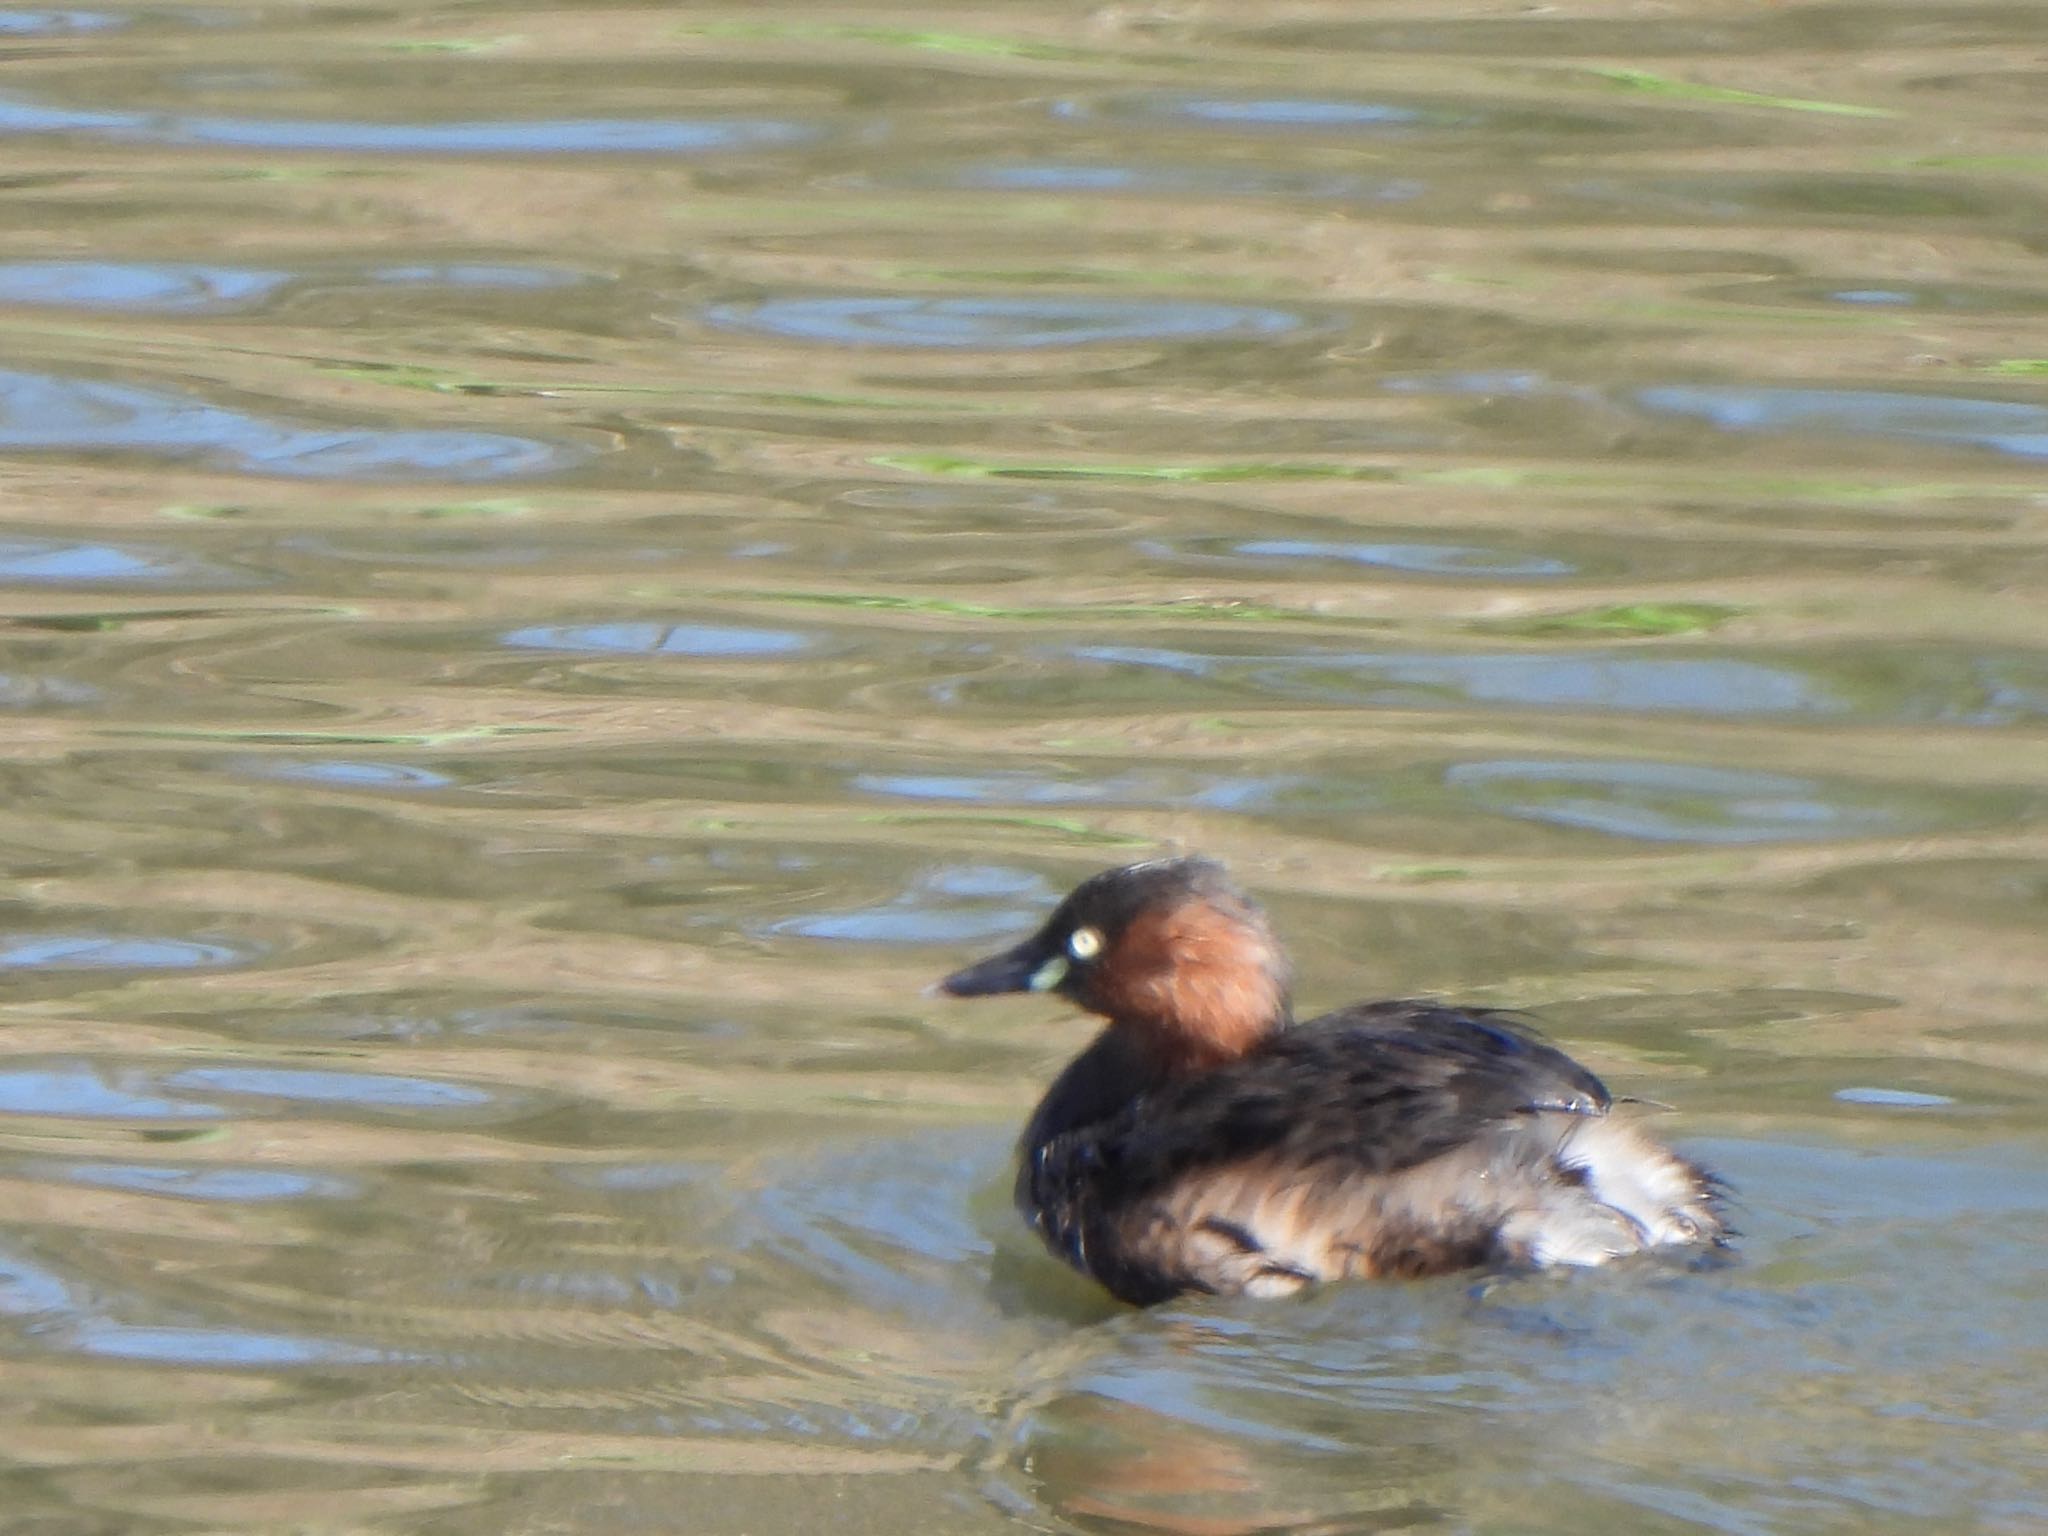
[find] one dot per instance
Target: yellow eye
(1085, 943)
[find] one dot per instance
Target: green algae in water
(1629, 619)
(1686, 90)
(883, 602)
(1061, 826)
(965, 44)
(1199, 474)
(1421, 874)
(490, 507)
(452, 44)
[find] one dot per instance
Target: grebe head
(1169, 950)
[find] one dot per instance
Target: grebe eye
(1085, 943)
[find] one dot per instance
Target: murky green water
(561, 562)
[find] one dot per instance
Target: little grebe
(1205, 1142)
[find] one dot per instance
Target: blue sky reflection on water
(999, 323)
(957, 904)
(44, 413)
(34, 23)
(65, 1317)
(2007, 427)
(540, 136)
(175, 287)
(1682, 802)
(228, 1185)
(76, 1089)
(347, 773)
(651, 639)
(55, 562)
(218, 1348)
(1705, 685)
(112, 952)
(315, 1086)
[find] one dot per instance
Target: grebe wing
(1496, 1060)
(1386, 1139)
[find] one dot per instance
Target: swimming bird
(1206, 1142)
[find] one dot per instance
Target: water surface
(560, 563)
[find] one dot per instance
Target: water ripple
(999, 324)
(69, 1318)
(1315, 113)
(955, 905)
(107, 952)
(344, 773)
(1244, 793)
(65, 1321)
(643, 639)
(165, 287)
(539, 136)
(2006, 427)
(27, 1290)
(1072, 176)
(50, 23)
(1893, 1098)
(20, 690)
(184, 287)
(232, 1186)
(216, 1348)
(74, 1089)
(873, 1230)
(474, 274)
(39, 412)
(1698, 685)
(1966, 298)
(369, 1090)
(1428, 559)
(54, 562)
(1687, 803)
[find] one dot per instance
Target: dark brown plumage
(1205, 1142)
